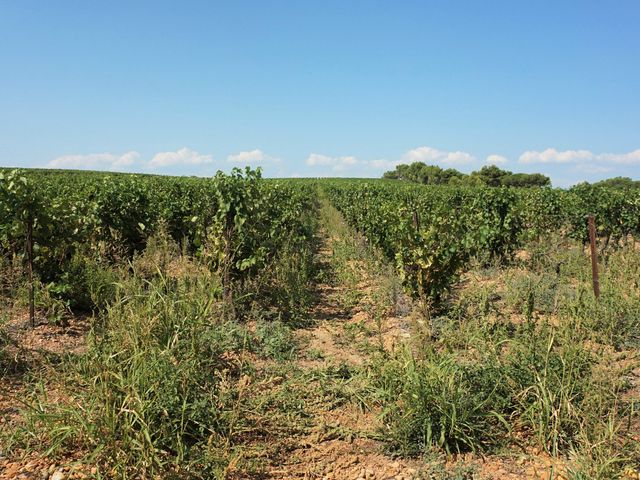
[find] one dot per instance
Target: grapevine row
(431, 232)
(237, 222)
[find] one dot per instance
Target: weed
(275, 340)
(155, 390)
(440, 402)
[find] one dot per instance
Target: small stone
(44, 474)
(11, 470)
(58, 475)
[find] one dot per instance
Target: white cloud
(458, 158)
(551, 155)
(337, 164)
(423, 154)
(384, 164)
(631, 158)
(184, 156)
(252, 157)
(433, 155)
(495, 159)
(126, 160)
(349, 160)
(315, 159)
(109, 161)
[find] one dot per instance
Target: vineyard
(243, 327)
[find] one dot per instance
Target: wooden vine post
(29, 246)
(594, 255)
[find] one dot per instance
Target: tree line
(490, 175)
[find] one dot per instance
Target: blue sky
(322, 88)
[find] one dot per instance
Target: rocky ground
(29, 348)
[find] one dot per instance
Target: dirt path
(330, 317)
(342, 443)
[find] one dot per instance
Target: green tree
(491, 175)
(526, 180)
(420, 172)
(620, 183)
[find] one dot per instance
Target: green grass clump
(156, 390)
(542, 386)
(441, 402)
